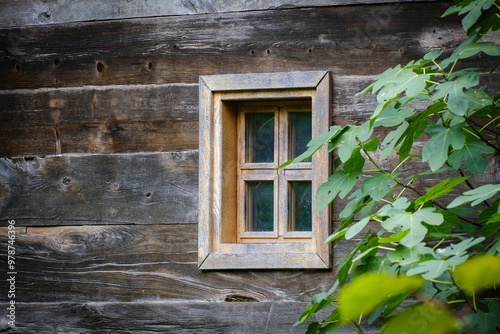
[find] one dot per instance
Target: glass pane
(300, 132)
(260, 137)
(300, 206)
(260, 206)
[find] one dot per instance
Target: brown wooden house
(101, 169)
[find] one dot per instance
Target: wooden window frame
(218, 246)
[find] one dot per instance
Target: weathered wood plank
(153, 188)
(140, 263)
(348, 40)
(160, 317)
(15, 13)
(98, 120)
(96, 104)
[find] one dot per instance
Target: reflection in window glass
(260, 206)
(300, 218)
(300, 132)
(260, 137)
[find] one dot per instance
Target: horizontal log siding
(350, 40)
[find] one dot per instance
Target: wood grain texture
(138, 188)
(96, 119)
(15, 13)
(347, 40)
(140, 263)
(160, 317)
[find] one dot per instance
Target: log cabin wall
(99, 150)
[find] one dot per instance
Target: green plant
(429, 262)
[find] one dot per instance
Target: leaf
(405, 256)
(433, 55)
(478, 273)
(340, 183)
(474, 10)
(355, 162)
(378, 185)
(315, 144)
(491, 226)
(458, 101)
(394, 81)
(460, 248)
(393, 117)
(486, 322)
(440, 189)
(434, 268)
(435, 150)
(468, 48)
(402, 220)
(371, 146)
(372, 264)
(317, 303)
(478, 98)
(394, 237)
(336, 235)
(475, 196)
(472, 151)
(356, 228)
(350, 137)
(422, 318)
(392, 139)
(367, 292)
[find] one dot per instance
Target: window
(253, 215)
(274, 204)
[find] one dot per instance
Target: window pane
(300, 206)
(260, 206)
(260, 137)
(300, 132)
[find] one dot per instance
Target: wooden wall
(99, 150)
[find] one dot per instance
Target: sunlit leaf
(478, 273)
(422, 318)
(367, 292)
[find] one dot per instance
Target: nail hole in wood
(148, 195)
(19, 67)
(66, 181)
(57, 62)
(100, 67)
(252, 51)
(150, 66)
(268, 51)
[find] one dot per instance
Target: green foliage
(434, 249)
